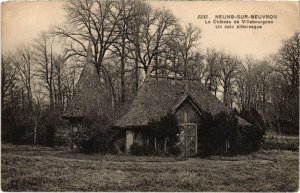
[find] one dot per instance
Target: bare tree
(187, 40)
(69, 79)
(287, 60)
(45, 69)
(59, 63)
(228, 70)
(211, 72)
(263, 76)
(24, 64)
(287, 64)
(104, 23)
(8, 77)
(121, 47)
(245, 82)
(94, 21)
(155, 28)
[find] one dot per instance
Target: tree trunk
(123, 89)
(35, 129)
(225, 95)
(136, 72)
(165, 145)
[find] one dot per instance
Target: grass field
(24, 168)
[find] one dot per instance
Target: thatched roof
(157, 97)
(88, 96)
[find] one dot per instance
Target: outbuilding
(186, 98)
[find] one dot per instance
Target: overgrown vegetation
(222, 134)
(219, 130)
(285, 126)
(18, 126)
(93, 135)
(278, 142)
(251, 136)
(162, 134)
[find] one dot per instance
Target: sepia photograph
(150, 96)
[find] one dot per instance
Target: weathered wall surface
(192, 114)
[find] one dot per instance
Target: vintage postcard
(140, 96)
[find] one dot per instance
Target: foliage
(219, 129)
(16, 127)
(223, 127)
(47, 128)
(251, 137)
(141, 150)
(61, 137)
(281, 143)
(166, 127)
(174, 150)
(93, 135)
(287, 61)
(286, 126)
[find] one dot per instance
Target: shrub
(61, 137)
(16, 127)
(223, 128)
(47, 125)
(141, 150)
(286, 126)
(279, 143)
(174, 150)
(218, 130)
(251, 137)
(93, 135)
(165, 128)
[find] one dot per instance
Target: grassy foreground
(24, 168)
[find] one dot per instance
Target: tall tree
(94, 21)
(228, 70)
(211, 72)
(288, 59)
(187, 40)
(45, 70)
(121, 47)
(155, 28)
(24, 64)
(8, 77)
(287, 64)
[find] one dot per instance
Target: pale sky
(23, 21)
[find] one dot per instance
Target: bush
(219, 129)
(140, 150)
(285, 126)
(144, 150)
(251, 137)
(93, 135)
(278, 143)
(61, 137)
(174, 150)
(165, 128)
(47, 125)
(223, 128)
(16, 127)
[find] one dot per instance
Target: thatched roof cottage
(157, 97)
